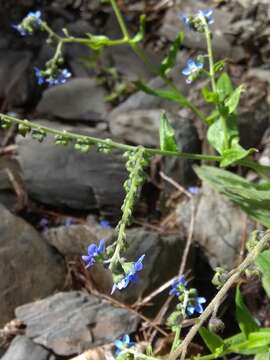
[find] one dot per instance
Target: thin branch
(236, 275)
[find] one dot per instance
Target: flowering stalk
(208, 35)
(135, 165)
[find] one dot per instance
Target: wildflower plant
(222, 135)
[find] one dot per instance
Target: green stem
(176, 338)
(127, 207)
(208, 36)
(108, 142)
(120, 19)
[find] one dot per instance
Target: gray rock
(219, 227)
(63, 177)
(194, 40)
(14, 82)
(77, 99)
(74, 239)
(140, 127)
(32, 268)
(22, 348)
(68, 323)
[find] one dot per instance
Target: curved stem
(107, 142)
(236, 274)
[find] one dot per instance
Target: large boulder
(31, 268)
(71, 322)
(63, 177)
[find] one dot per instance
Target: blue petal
(118, 343)
(126, 339)
(92, 249)
(186, 71)
(201, 300)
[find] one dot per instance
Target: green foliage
(263, 263)
(166, 134)
(254, 199)
(245, 320)
(169, 62)
(214, 342)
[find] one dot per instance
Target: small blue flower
(195, 305)
(44, 224)
(104, 224)
(131, 276)
(60, 77)
(32, 20)
(93, 251)
(194, 190)
(123, 344)
(175, 286)
(186, 20)
(207, 14)
(192, 69)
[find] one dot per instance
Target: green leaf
(263, 356)
(254, 199)
(210, 96)
(212, 341)
(215, 133)
(245, 320)
(166, 134)
(140, 35)
(232, 102)
(258, 339)
(224, 86)
(169, 62)
(263, 263)
(172, 95)
(234, 154)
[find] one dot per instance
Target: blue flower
(175, 286)
(131, 276)
(195, 305)
(192, 69)
(60, 77)
(104, 224)
(186, 20)
(93, 251)
(193, 190)
(123, 344)
(207, 14)
(32, 20)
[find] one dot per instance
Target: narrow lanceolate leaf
(166, 135)
(263, 263)
(245, 320)
(236, 153)
(212, 341)
(169, 62)
(233, 100)
(264, 356)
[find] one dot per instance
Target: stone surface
(65, 178)
(23, 348)
(74, 239)
(70, 322)
(77, 99)
(219, 227)
(194, 40)
(31, 268)
(137, 126)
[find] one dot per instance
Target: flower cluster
(197, 22)
(188, 298)
(56, 77)
(30, 23)
(122, 344)
(130, 274)
(94, 254)
(192, 70)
